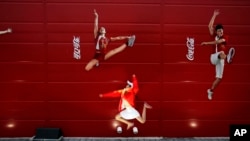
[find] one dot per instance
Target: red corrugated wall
(42, 85)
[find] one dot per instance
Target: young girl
(101, 43)
(126, 107)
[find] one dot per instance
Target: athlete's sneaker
(209, 94)
(230, 55)
(131, 40)
(135, 130)
(119, 130)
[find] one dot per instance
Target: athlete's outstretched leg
(115, 51)
(119, 49)
(142, 119)
(91, 64)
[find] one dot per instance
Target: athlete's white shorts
(219, 64)
(129, 113)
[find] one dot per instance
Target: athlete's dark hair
(218, 26)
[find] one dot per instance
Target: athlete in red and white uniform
(218, 58)
(101, 43)
(126, 106)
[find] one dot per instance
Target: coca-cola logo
(190, 46)
(77, 49)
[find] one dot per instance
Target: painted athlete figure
(9, 30)
(218, 58)
(101, 43)
(126, 107)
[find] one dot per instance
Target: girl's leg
(142, 119)
(130, 43)
(91, 64)
(115, 51)
(215, 83)
(119, 118)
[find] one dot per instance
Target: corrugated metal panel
(42, 85)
